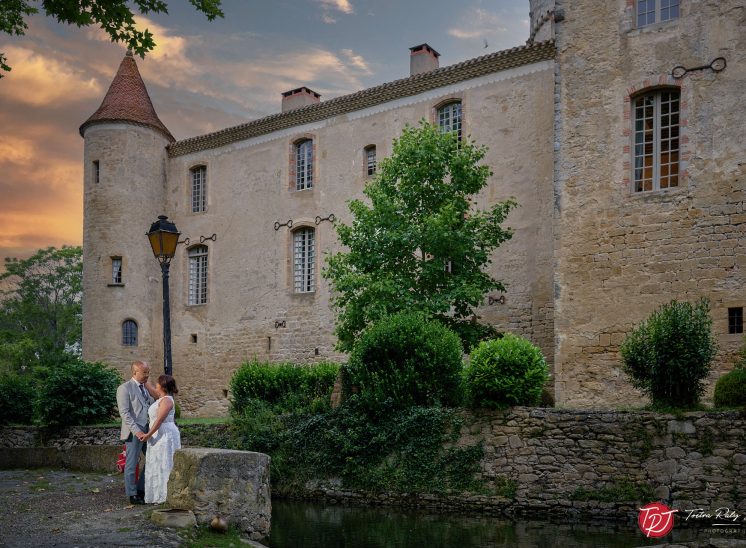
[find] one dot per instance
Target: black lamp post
(164, 237)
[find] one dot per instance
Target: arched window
(304, 164)
(199, 189)
(304, 253)
(370, 160)
(129, 333)
(198, 275)
(449, 118)
(656, 140)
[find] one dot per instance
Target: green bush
(388, 449)
(504, 372)
(77, 392)
(284, 386)
(408, 360)
(730, 390)
(16, 399)
(668, 356)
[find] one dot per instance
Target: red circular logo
(655, 519)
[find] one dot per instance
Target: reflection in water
(308, 525)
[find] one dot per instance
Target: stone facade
(621, 253)
(590, 258)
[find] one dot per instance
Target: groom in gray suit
(133, 400)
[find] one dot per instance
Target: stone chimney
(422, 58)
(299, 97)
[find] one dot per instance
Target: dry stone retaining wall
(551, 461)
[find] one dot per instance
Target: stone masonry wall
(621, 254)
(558, 461)
(252, 310)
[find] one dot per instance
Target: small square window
(735, 320)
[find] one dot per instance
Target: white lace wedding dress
(159, 457)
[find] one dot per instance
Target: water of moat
(309, 525)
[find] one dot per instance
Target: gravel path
(62, 508)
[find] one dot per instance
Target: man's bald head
(140, 371)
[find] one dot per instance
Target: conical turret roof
(128, 101)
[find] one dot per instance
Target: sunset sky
(204, 76)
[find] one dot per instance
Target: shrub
(504, 372)
(77, 392)
(730, 390)
(387, 449)
(668, 356)
(16, 399)
(407, 359)
(284, 386)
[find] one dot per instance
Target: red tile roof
(128, 101)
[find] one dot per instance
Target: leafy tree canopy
(115, 17)
(420, 245)
(40, 303)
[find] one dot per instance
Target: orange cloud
(38, 80)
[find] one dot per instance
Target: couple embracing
(148, 426)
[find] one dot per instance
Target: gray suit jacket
(133, 408)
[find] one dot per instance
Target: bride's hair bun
(168, 383)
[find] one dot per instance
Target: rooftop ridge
(404, 87)
(128, 101)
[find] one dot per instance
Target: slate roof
(128, 101)
(419, 83)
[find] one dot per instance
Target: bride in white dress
(163, 440)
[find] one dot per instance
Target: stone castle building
(619, 128)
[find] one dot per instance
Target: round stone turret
(125, 162)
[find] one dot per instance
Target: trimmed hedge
(283, 386)
(406, 360)
(505, 372)
(77, 392)
(17, 394)
(668, 355)
(730, 390)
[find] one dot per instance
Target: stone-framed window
(369, 154)
(304, 260)
(735, 320)
(129, 333)
(449, 118)
(198, 177)
(116, 271)
(655, 139)
(96, 174)
(303, 164)
(197, 275)
(649, 12)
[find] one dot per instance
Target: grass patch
(125, 529)
(206, 420)
(204, 537)
(41, 485)
(621, 491)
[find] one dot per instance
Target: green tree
(41, 301)
(420, 245)
(115, 17)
